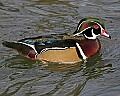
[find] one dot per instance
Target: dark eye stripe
(97, 31)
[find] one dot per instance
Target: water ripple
(99, 76)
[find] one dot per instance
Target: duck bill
(103, 33)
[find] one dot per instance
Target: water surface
(19, 76)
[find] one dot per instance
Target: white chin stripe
(81, 51)
(93, 35)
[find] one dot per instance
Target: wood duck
(63, 48)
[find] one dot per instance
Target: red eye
(95, 26)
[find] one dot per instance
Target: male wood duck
(63, 48)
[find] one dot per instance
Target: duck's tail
(21, 48)
(10, 44)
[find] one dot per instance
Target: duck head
(91, 28)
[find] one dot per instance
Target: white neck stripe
(81, 51)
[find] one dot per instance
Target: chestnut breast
(90, 47)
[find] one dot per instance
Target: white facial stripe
(78, 34)
(80, 25)
(86, 21)
(81, 51)
(54, 48)
(94, 35)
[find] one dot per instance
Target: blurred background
(19, 76)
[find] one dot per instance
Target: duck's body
(64, 48)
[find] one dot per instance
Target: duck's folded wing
(54, 44)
